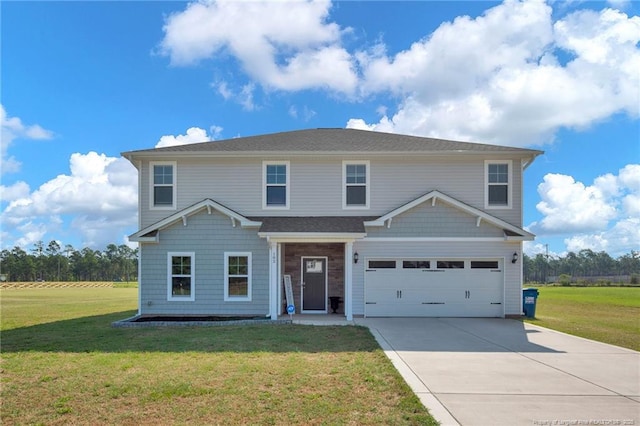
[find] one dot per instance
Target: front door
(314, 285)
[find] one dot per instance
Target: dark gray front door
(314, 284)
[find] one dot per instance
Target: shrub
(564, 279)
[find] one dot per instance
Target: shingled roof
(323, 224)
(330, 141)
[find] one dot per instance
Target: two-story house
(394, 225)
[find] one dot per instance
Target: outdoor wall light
(355, 257)
(514, 258)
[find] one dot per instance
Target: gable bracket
(233, 222)
(184, 220)
(208, 209)
(389, 222)
(478, 220)
(433, 201)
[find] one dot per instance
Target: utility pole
(546, 263)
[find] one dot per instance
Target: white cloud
(30, 233)
(194, 135)
(568, 205)
(12, 128)
(100, 193)
(97, 200)
(630, 177)
(242, 95)
(18, 190)
(246, 97)
(496, 78)
(623, 237)
(305, 114)
(619, 4)
(223, 89)
(601, 216)
(514, 75)
(281, 45)
(532, 249)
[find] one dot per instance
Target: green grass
(62, 363)
(605, 314)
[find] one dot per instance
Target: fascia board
(315, 236)
(269, 154)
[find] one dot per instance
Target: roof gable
(510, 231)
(151, 234)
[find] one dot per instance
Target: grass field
(62, 363)
(606, 314)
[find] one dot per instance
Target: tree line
(585, 265)
(51, 262)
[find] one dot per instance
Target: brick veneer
(292, 254)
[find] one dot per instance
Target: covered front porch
(315, 255)
(307, 275)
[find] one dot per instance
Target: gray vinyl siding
(316, 184)
(440, 220)
(441, 249)
(209, 236)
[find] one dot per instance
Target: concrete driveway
(472, 371)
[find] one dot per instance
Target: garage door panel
(477, 309)
(454, 289)
(393, 310)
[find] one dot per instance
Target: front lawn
(605, 314)
(62, 363)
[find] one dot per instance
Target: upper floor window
(180, 273)
(275, 184)
(498, 191)
(163, 185)
(355, 192)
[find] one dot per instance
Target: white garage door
(434, 288)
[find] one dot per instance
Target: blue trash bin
(529, 299)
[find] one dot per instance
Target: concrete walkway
(471, 371)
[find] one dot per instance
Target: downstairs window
(180, 272)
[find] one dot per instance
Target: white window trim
(509, 204)
(192, 296)
(228, 298)
(345, 163)
(264, 184)
(151, 184)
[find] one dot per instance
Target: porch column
(279, 280)
(273, 280)
(348, 275)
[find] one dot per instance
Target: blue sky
(84, 81)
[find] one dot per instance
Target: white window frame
(509, 204)
(287, 185)
(367, 184)
(227, 297)
(192, 276)
(152, 205)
